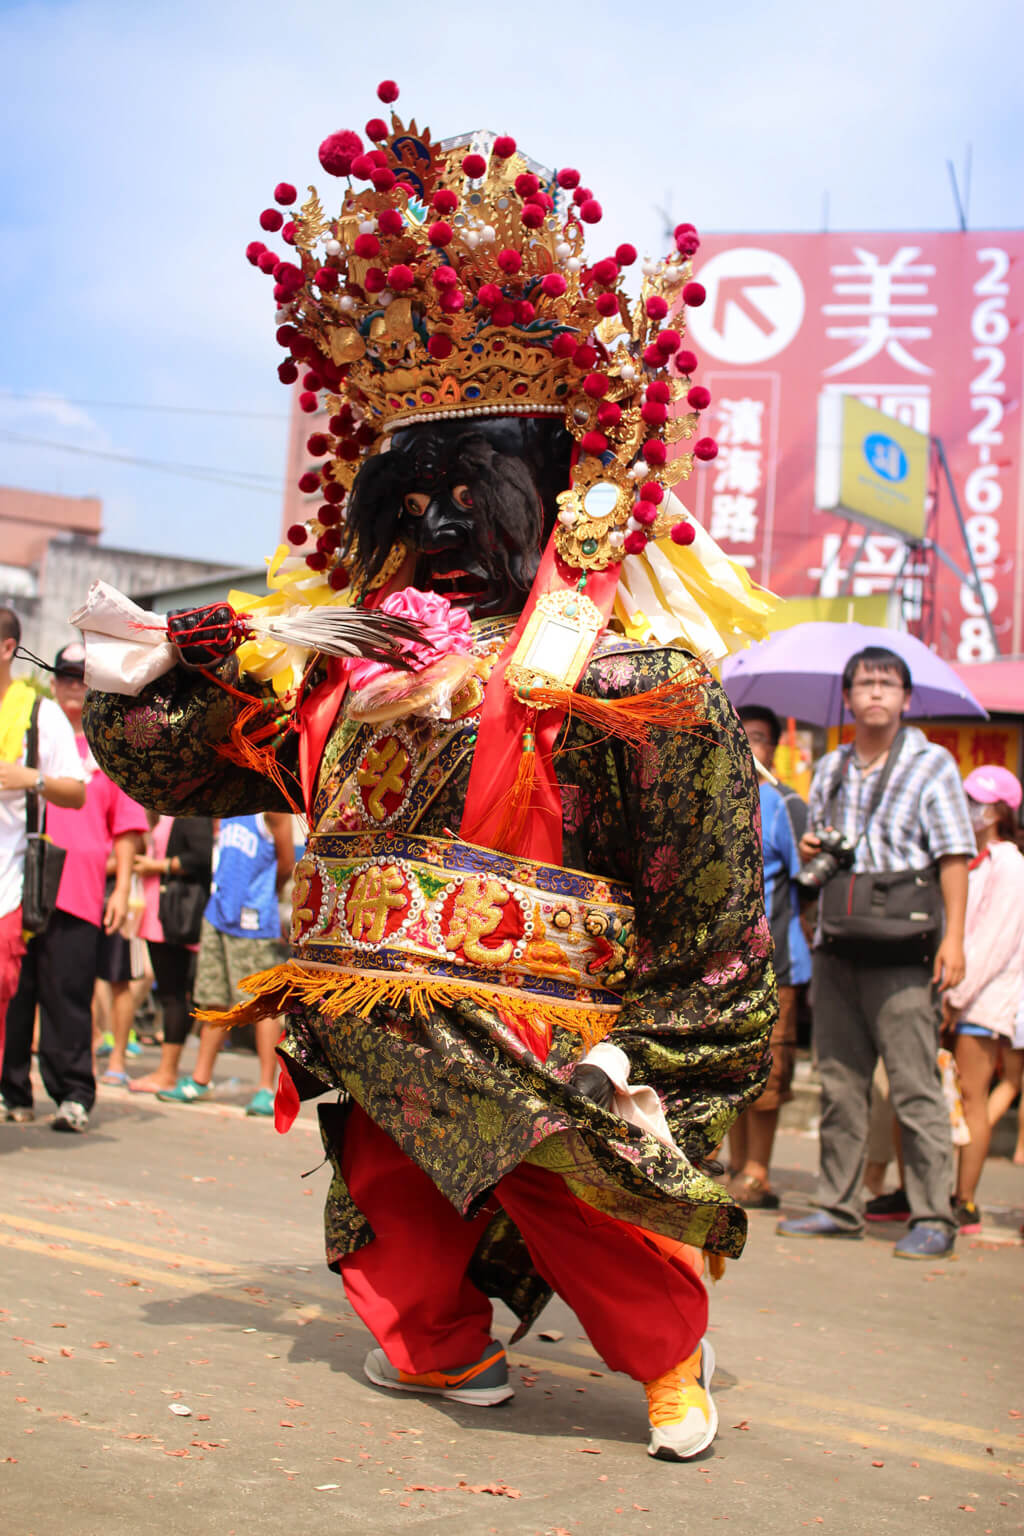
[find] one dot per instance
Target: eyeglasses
(885, 684)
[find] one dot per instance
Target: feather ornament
(351, 632)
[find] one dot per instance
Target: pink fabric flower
(446, 630)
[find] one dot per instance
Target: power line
(238, 479)
(138, 405)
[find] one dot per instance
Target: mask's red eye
(462, 497)
(416, 503)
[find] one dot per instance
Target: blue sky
(139, 144)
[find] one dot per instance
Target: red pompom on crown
(474, 166)
(705, 448)
(625, 255)
(271, 220)
(440, 346)
(376, 129)
(699, 397)
(444, 200)
(504, 146)
(440, 233)
(694, 294)
(338, 151)
(285, 194)
(568, 179)
(682, 533)
(595, 443)
(387, 92)
(591, 211)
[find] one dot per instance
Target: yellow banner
(971, 745)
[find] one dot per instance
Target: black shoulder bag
(44, 861)
(891, 917)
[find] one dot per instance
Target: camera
(836, 853)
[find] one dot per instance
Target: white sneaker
(71, 1117)
(682, 1413)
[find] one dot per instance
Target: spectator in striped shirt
(871, 1005)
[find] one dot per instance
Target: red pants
(637, 1296)
(12, 947)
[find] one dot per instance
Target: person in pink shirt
(59, 968)
(982, 1009)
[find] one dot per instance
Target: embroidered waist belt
(384, 917)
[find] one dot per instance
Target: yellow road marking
(848, 1408)
(119, 1244)
(917, 1451)
(98, 1261)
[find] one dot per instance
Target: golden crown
(453, 282)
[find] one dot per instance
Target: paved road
(173, 1257)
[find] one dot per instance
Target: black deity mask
(474, 499)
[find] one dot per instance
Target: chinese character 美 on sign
(883, 301)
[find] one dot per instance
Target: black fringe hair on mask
(513, 468)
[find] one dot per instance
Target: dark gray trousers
(862, 1012)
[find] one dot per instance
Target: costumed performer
(533, 877)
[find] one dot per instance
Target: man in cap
(59, 968)
(56, 778)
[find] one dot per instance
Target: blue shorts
(979, 1030)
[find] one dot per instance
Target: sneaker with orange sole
(484, 1384)
(683, 1417)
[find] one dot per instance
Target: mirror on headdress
(600, 500)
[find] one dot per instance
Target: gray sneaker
(71, 1117)
(484, 1384)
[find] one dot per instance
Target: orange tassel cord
(255, 748)
(671, 706)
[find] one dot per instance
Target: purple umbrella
(799, 672)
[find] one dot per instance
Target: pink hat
(990, 783)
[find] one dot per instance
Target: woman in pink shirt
(983, 1008)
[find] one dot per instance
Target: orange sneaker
(483, 1384)
(683, 1417)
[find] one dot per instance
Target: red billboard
(928, 328)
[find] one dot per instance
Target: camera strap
(877, 793)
